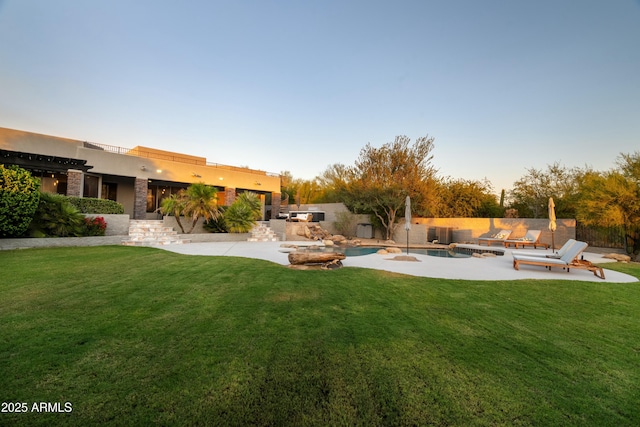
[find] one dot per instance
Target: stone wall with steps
(262, 233)
(151, 233)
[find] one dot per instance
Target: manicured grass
(136, 336)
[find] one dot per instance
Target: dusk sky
(502, 85)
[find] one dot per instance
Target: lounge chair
(499, 238)
(557, 254)
(532, 238)
(569, 260)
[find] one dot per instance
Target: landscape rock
(618, 257)
(382, 251)
(394, 250)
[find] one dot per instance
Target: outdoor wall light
(195, 175)
(143, 168)
(257, 183)
(159, 170)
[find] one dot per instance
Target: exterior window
(109, 191)
(90, 186)
(53, 183)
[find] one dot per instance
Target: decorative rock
(338, 238)
(488, 255)
(394, 250)
(618, 257)
(476, 255)
(314, 257)
(328, 242)
(390, 242)
(382, 251)
(289, 245)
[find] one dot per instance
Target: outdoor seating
(569, 260)
(532, 238)
(303, 217)
(557, 254)
(496, 238)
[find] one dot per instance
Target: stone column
(140, 198)
(229, 196)
(74, 183)
(276, 201)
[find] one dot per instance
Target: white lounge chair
(532, 238)
(500, 238)
(557, 254)
(569, 260)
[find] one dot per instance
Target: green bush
(19, 196)
(96, 206)
(217, 225)
(56, 217)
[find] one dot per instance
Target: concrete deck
(491, 268)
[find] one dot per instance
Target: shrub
(19, 196)
(241, 216)
(217, 225)
(345, 223)
(90, 205)
(94, 226)
(56, 217)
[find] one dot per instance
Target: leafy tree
(530, 194)
(613, 198)
(383, 177)
(466, 198)
(19, 197)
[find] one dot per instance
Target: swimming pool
(366, 250)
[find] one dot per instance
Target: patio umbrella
(552, 222)
(407, 219)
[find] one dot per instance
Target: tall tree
(613, 198)
(530, 194)
(383, 177)
(466, 198)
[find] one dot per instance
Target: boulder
(394, 250)
(382, 251)
(298, 258)
(618, 257)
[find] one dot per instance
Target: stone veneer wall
(140, 198)
(74, 183)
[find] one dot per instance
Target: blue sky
(502, 85)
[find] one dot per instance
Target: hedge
(19, 197)
(89, 205)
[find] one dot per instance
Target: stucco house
(138, 178)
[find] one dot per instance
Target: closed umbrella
(407, 219)
(552, 222)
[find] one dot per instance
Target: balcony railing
(170, 157)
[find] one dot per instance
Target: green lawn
(136, 336)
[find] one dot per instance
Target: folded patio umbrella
(552, 222)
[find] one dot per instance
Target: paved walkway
(498, 268)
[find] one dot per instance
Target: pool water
(365, 250)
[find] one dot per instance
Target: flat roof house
(138, 178)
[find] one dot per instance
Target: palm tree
(174, 205)
(200, 201)
(241, 216)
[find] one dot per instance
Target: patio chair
(569, 260)
(499, 238)
(557, 254)
(532, 238)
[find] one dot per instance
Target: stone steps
(262, 233)
(151, 233)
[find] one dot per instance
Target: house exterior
(139, 178)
